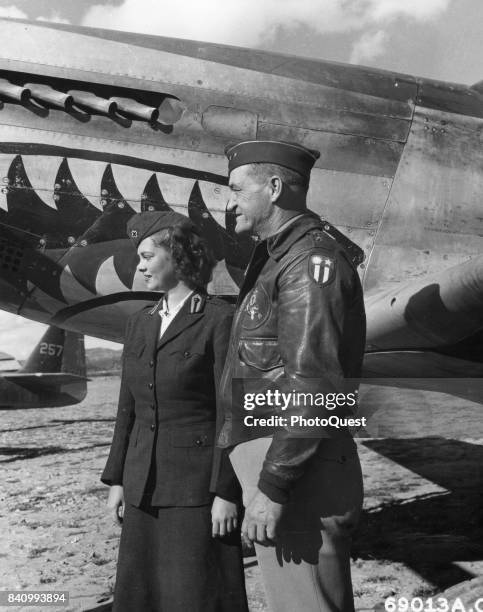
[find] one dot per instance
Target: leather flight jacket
(299, 329)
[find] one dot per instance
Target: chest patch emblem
(321, 269)
(257, 308)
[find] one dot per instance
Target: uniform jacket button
(186, 354)
(153, 427)
(151, 364)
(199, 442)
(150, 385)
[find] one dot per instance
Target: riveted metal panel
(187, 134)
(113, 62)
(451, 98)
(434, 215)
(375, 82)
(340, 152)
(383, 84)
(322, 118)
(354, 203)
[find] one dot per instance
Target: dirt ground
(421, 531)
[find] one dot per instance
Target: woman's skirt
(169, 562)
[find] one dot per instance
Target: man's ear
(276, 188)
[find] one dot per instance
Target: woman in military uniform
(174, 493)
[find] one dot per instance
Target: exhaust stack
(91, 102)
(14, 92)
(131, 107)
(45, 93)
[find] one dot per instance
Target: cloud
(368, 47)
(251, 22)
(12, 11)
(53, 18)
(415, 9)
(18, 336)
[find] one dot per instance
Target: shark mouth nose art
(73, 210)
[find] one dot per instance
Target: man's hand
(224, 517)
(261, 518)
(115, 503)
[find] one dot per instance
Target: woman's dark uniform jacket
(167, 408)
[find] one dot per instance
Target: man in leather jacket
(288, 387)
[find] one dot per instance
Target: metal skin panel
(209, 128)
(346, 76)
(339, 152)
(337, 121)
(451, 98)
(352, 202)
(438, 311)
(433, 218)
(115, 63)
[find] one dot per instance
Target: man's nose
(141, 266)
(231, 205)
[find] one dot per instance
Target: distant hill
(107, 361)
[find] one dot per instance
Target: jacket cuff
(228, 489)
(110, 483)
(111, 477)
(224, 482)
(274, 487)
(231, 495)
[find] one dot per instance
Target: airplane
(96, 125)
(54, 374)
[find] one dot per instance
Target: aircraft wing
(425, 370)
(428, 334)
(44, 379)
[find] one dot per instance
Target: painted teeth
(61, 202)
(42, 172)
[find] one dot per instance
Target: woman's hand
(115, 503)
(224, 517)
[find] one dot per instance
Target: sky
(439, 39)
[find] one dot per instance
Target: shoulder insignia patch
(321, 269)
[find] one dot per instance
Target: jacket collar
(280, 243)
(190, 312)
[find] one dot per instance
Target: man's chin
(243, 228)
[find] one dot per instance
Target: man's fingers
(252, 532)
(222, 528)
(271, 531)
(246, 539)
(244, 533)
(215, 530)
(261, 533)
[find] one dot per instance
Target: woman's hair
(192, 257)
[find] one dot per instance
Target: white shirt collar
(168, 309)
